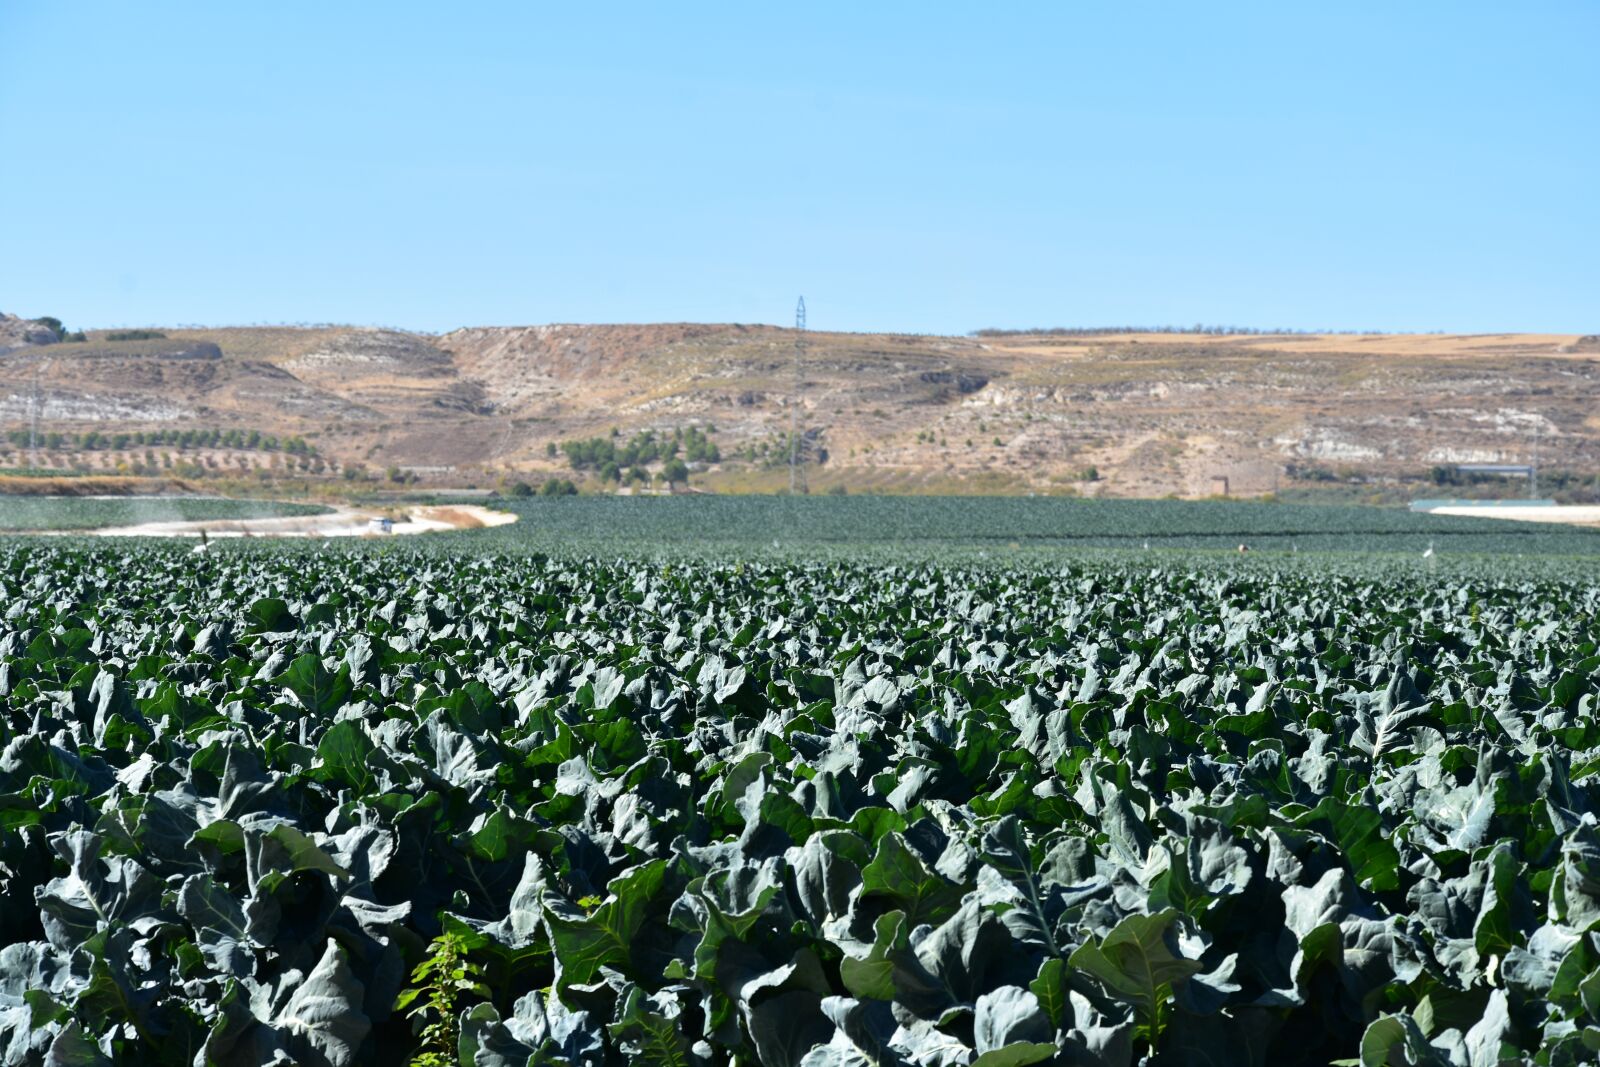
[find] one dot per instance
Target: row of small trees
(94, 440)
(552, 487)
(182, 465)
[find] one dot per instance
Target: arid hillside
(1105, 414)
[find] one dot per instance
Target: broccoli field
(744, 523)
(350, 804)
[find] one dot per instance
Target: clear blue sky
(915, 166)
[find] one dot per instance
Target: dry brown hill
(1150, 414)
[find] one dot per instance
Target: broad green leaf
(1359, 833)
(1138, 961)
(318, 691)
(900, 876)
(585, 943)
(323, 1017)
(344, 752)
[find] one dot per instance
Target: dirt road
(344, 521)
(1576, 514)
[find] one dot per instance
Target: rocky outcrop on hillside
(373, 351)
(20, 333)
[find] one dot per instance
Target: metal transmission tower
(35, 404)
(33, 420)
(1533, 470)
(797, 481)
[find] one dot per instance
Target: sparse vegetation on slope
(1152, 413)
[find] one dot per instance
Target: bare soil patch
(342, 522)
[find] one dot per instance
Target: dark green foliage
(442, 986)
(1007, 523)
(605, 454)
(777, 450)
(615, 811)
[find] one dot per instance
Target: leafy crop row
(502, 809)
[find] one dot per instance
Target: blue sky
(919, 167)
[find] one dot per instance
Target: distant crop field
(24, 513)
(687, 522)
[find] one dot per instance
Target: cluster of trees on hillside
(552, 487)
(1311, 472)
(1563, 486)
(61, 330)
(1199, 329)
(241, 440)
(1452, 475)
(610, 455)
(773, 452)
(1570, 486)
(673, 472)
(136, 335)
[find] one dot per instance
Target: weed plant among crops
(339, 805)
